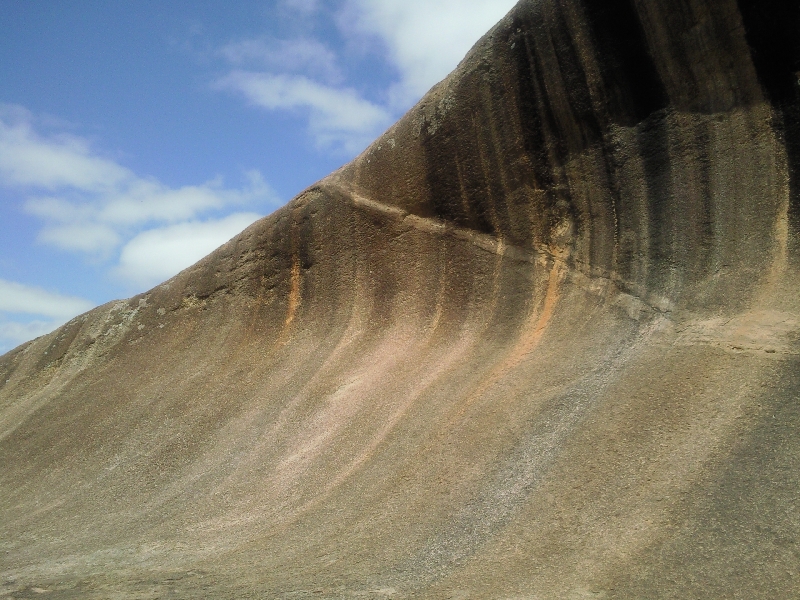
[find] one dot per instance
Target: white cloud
(18, 302)
(294, 55)
(151, 201)
(26, 159)
(139, 202)
(13, 333)
(95, 204)
(425, 39)
(58, 209)
(98, 208)
(19, 298)
(157, 254)
(337, 116)
(87, 237)
(98, 224)
(302, 6)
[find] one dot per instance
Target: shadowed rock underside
(540, 340)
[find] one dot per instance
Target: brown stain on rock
(294, 291)
(539, 340)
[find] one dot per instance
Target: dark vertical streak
(578, 105)
(534, 120)
(546, 145)
(489, 167)
(448, 182)
(628, 68)
(773, 33)
(654, 149)
(704, 249)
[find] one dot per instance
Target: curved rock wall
(612, 133)
(540, 340)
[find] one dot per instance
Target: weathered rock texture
(541, 340)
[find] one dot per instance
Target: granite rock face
(540, 340)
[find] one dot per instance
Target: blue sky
(137, 136)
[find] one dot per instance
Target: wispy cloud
(300, 55)
(301, 6)
(49, 309)
(98, 224)
(422, 40)
(425, 40)
(156, 254)
(28, 159)
(338, 117)
(90, 204)
(14, 333)
(19, 298)
(86, 237)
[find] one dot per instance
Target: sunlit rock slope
(541, 340)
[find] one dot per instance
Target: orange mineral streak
(294, 293)
(529, 339)
(540, 340)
